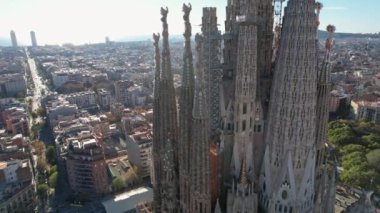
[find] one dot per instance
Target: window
(244, 108)
(258, 128)
(243, 125)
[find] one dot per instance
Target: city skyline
(57, 22)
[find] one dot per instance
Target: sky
(90, 21)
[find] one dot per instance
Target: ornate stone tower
(185, 114)
(213, 72)
(287, 178)
(264, 53)
(324, 173)
(245, 88)
(200, 196)
(165, 133)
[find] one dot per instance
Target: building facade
(86, 168)
(18, 191)
(13, 39)
(33, 39)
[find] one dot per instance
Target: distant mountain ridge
(4, 41)
(323, 35)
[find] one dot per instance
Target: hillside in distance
(337, 35)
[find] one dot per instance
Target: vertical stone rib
(185, 114)
(200, 199)
(156, 125)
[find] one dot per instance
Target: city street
(39, 86)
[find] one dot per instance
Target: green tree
(42, 190)
(118, 184)
(350, 148)
(373, 158)
(53, 180)
(341, 136)
(353, 159)
(53, 169)
(372, 141)
(364, 127)
(50, 154)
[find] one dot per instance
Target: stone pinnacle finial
(188, 70)
(156, 39)
(164, 13)
(329, 41)
(165, 32)
(243, 173)
(186, 10)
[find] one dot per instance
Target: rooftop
(129, 200)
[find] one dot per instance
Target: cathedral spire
(200, 199)
(186, 99)
(213, 72)
(291, 129)
(165, 133)
(156, 180)
(323, 87)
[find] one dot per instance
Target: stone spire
(291, 130)
(243, 173)
(323, 89)
(165, 151)
(200, 199)
(217, 207)
(185, 114)
(167, 93)
(265, 52)
(324, 179)
(156, 180)
(245, 87)
(213, 72)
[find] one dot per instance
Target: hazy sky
(84, 21)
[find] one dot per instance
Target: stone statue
(186, 10)
(164, 13)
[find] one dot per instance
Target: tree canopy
(53, 180)
(358, 146)
(50, 154)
